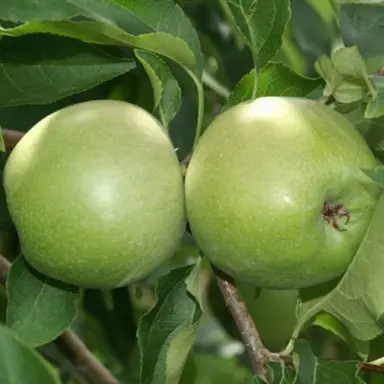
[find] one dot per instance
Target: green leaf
(349, 63)
(376, 174)
(214, 369)
(358, 300)
(346, 75)
(363, 25)
(21, 364)
(166, 90)
(331, 324)
(243, 90)
(262, 24)
(375, 107)
(116, 321)
(146, 17)
(274, 80)
(159, 26)
(26, 10)
(354, 112)
(366, 2)
(167, 331)
(282, 374)
(376, 348)
(39, 309)
(311, 369)
(34, 71)
(311, 32)
(333, 79)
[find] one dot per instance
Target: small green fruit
(273, 311)
(276, 195)
(96, 194)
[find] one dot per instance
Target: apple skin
(256, 187)
(96, 194)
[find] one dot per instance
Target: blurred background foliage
(108, 321)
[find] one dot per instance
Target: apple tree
(191, 191)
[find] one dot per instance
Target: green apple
(273, 311)
(96, 194)
(275, 193)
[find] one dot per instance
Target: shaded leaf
(166, 89)
(363, 25)
(354, 112)
(26, 10)
(183, 127)
(34, 71)
(331, 324)
(39, 309)
(366, 2)
(21, 364)
(376, 174)
(274, 80)
(312, 34)
(167, 331)
(145, 17)
(205, 368)
(262, 24)
(311, 369)
(375, 106)
(282, 374)
(159, 26)
(117, 320)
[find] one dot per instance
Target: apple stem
(259, 355)
(11, 138)
(71, 346)
(184, 164)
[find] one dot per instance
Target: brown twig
(11, 138)
(70, 345)
(4, 268)
(259, 355)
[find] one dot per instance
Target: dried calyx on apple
(333, 213)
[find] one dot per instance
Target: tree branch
(71, 346)
(4, 268)
(259, 355)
